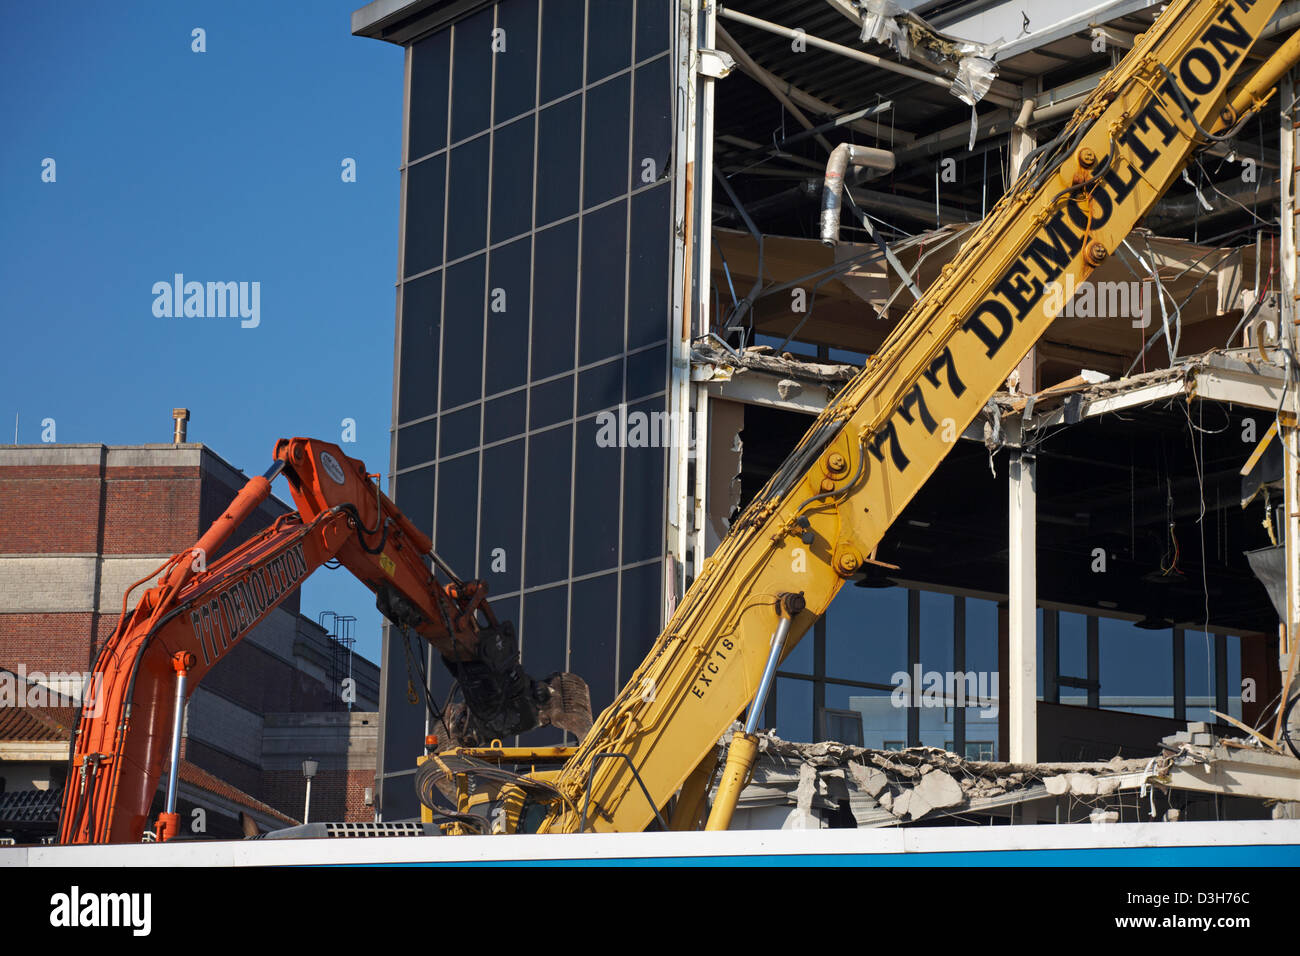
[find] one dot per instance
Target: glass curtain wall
(532, 347)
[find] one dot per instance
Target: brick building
(81, 523)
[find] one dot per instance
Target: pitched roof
(200, 778)
(37, 723)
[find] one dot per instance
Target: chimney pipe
(180, 416)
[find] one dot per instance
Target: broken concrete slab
(1083, 784)
(869, 780)
(1058, 785)
(936, 791)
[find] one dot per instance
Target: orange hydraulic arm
(200, 608)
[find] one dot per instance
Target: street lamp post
(309, 768)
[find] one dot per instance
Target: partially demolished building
(644, 185)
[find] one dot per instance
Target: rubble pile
(883, 787)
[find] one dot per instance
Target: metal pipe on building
(180, 417)
(843, 156)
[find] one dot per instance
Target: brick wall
(262, 682)
(49, 509)
(47, 642)
(86, 502)
(151, 511)
(336, 794)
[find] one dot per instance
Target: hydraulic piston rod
(169, 822)
(744, 743)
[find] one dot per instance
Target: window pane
(460, 431)
(413, 493)
(605, 162)
(596, 485)
(593, 636)
(467, 204)
(794, 709)
(799, 660)
(936, 632)
(641, 617)
(421, 328)
(982, 636)
(1199, 660)
(1074, 650)
(551, 403)
(550, 478)
(416, 444)
(559, 142)
(647, 320)
(652, 28)
(462, 360)
(546, 624)
(600, 388)
(647, 372)
(604, 244)
(471, 76)
(847, 357)
(1137, 668)
(504, 417)
(503, 517)
(643, 481)
(424, 189)
(866, 634)
(512, 179)
(882, 722)
(555, 299)
(562, 32)
(507, 316)
(609, 37)
(516, 82)
(456, 519)
(652, 131)
(429, 60)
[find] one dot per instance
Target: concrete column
(1023, 142)
(1021, 705)
(1287, 238)
(1290, 437)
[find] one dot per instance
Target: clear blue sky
(224, 166)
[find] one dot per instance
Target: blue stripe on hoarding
(1161, 856)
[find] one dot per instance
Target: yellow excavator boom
(822, 514)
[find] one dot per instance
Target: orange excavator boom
(202, 606)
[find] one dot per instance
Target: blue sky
(224, 166)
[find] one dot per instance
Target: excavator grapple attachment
(569, 706)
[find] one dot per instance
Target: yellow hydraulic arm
(882, 437)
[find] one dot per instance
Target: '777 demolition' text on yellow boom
(877, 443)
